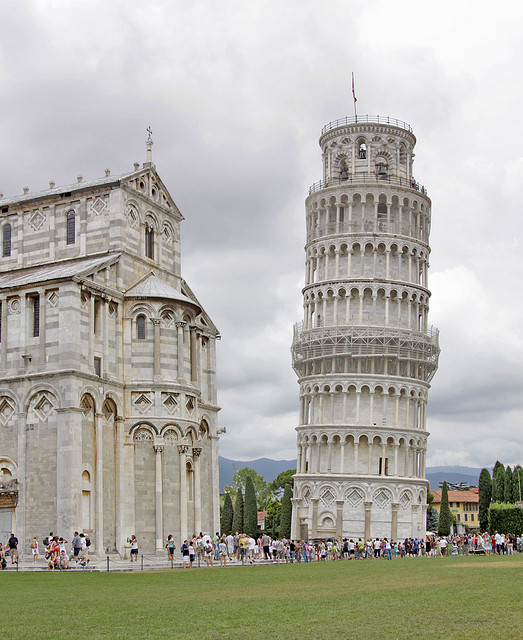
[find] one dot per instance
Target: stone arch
(8, 463)
(145, 424)
(38, 388)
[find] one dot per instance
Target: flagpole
(355, 99)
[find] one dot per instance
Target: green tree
(432, 519)
(445, 516)
(237, 521)
(260, 486)
(272, 519)
(286, 512)
(250, 520)
(485, 497)
(498, 484)
(227, 514)
(277, 486)
(496, 467)
(517, 484)
(507, 490)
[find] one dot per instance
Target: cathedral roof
(153, 287)
(56, 271)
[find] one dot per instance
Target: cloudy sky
(236, 94)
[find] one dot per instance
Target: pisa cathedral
(108, 411)
(365, 353)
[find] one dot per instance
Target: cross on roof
(149, 131)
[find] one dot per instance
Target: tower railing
(368, 178)
(366, 340)
(366, 119)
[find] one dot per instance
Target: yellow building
(464, 506)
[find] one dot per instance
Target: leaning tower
(364, 353)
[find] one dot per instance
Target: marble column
(156, 366)
(118, 478)
(180, 350)
(99, 484)
(158, 450)
(394, 524)
(339, 518)
(314, 501)
(197, 490)
(194, 354)
(368, 507)
(182, 450)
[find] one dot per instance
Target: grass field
(477, 598)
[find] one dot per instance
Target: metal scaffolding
(359, 341)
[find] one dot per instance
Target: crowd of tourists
(240, 547)
(53, 549)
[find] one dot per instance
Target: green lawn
(369, 600)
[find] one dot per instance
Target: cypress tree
(237, 521)
(226, 514)
(498, 484)
(507, 491)
(496, 467)
(286, 512)
(445, 517)
(485, 497)
(517, 484)
(251, 511)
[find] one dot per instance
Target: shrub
(505, 518)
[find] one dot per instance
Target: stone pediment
(147, 183)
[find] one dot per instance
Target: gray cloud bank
(236, 95)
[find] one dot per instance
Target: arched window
(149, 241)
(6, 241)
(140, 327)
(362, 151)
(71, 237)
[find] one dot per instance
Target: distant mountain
(266, 467)
(269, 469)
(437, 475)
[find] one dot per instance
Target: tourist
(64, 560)
(53, 559)
(251, 546)
(170, 546)
(13, 548)
(134, 547)
(77, 546)
(3, 564)
(266, 541)
(34, 549)
(185, 554)
(208, 552)
(223, 551)
(192, 553)
(230, 545)
(84, 549)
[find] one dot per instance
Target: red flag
(353, 91)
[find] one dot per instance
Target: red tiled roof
(457, 496)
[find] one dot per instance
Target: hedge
(505, 518)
